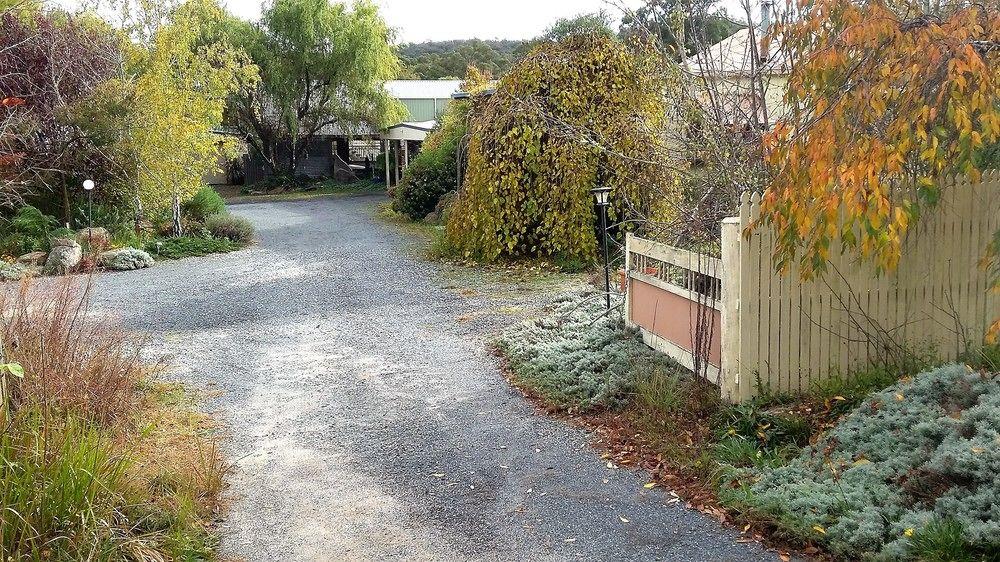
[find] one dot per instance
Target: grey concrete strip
(368, 424)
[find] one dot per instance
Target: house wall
(425, 109)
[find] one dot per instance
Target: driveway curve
(368, 421)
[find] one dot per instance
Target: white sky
(424, 20)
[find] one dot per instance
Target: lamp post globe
(602, 196)
(88, 186)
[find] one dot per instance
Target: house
(425, 101)
(745, 75)
(342, 153)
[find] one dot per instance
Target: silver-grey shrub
(12, 271)
(128, 259)
(923, 450)
(578, 356)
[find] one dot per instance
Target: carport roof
(410, 130)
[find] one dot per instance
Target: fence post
(729, 378)
(625, 269)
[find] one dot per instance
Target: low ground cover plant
(578, 356)
(127, 259)
(909, 466)
(188, 246)
(97, 461)
(895, 462)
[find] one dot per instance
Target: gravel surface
(367, 418)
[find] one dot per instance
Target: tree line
(149, 104)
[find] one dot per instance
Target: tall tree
(173, 94)
(52, 63)
(885, 97)
(321, 66)
(697, 24)
(594, 22)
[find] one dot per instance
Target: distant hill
(432, 60)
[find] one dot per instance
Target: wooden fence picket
(791, 333)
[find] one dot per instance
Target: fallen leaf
(819, 529)
(569, 540)
(977, 450)
(908, 532)
(438, 475)
(899, 397)
(784, 557)
(649, 485)
(623, 520)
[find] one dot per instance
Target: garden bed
(886, 464)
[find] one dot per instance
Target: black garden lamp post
(601, 196)
(88, 186)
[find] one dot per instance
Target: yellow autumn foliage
(585, 111)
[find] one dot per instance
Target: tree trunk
(67, 213)
(178, 227)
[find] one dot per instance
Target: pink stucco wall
(672, 317)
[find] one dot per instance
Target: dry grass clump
(73, 360)
(97, 462)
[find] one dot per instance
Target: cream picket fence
(788, 334)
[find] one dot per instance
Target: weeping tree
(585, 111)
(321, 65)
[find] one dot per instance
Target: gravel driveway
(369, 421)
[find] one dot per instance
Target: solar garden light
(88, 186)
(601, 196)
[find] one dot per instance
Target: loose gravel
(367, 418)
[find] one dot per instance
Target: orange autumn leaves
(884, 100)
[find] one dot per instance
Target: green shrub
(31, 222)
(428, 177)
(27, 231)
(921, 451)
(188, 246)
(580, 356)
(434, 171)
(205, 203)
(236, 229)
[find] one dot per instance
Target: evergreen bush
(205, 203)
